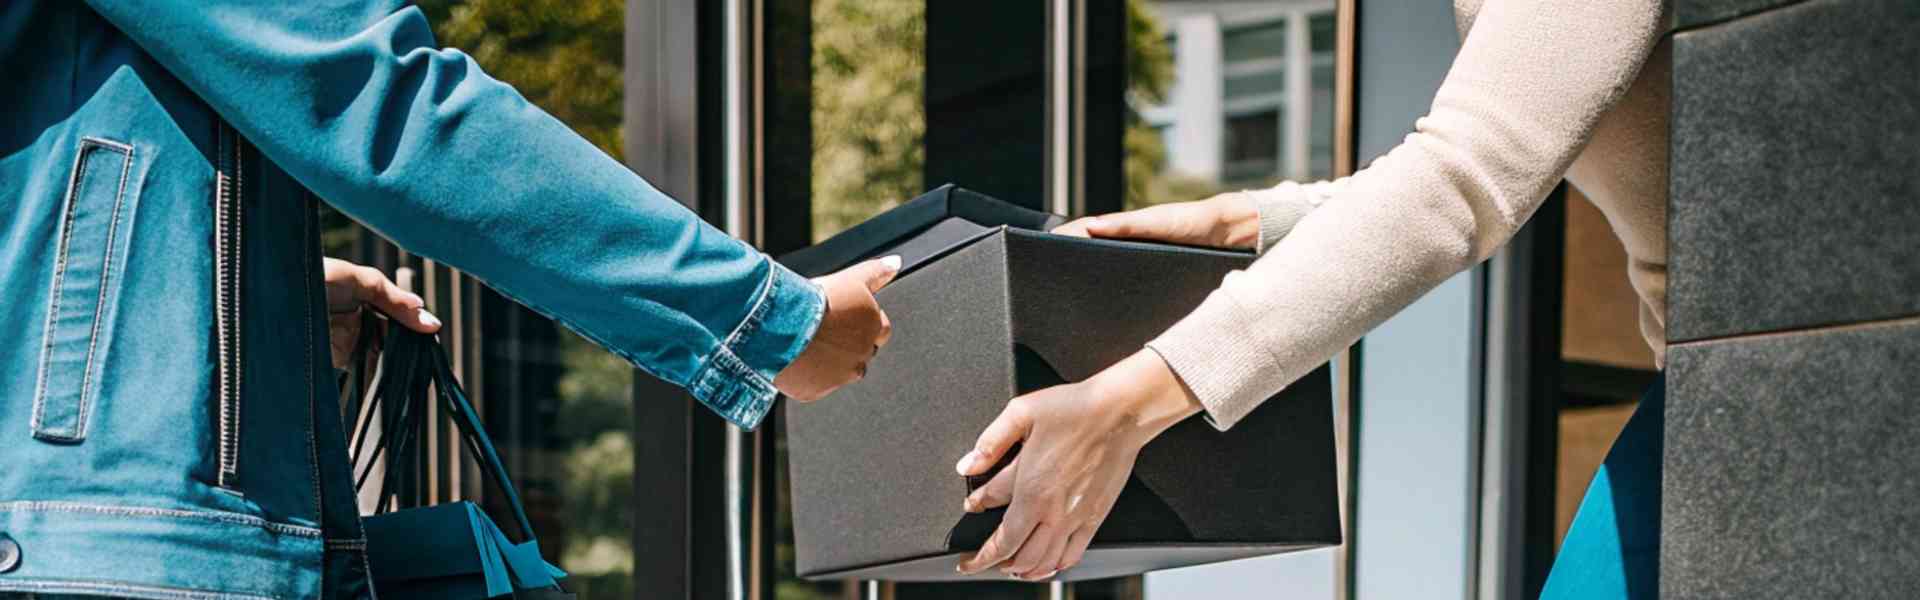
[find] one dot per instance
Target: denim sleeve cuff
(736, 380)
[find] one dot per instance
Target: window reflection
(1244, 100)
(1252, 146)
(869, 117)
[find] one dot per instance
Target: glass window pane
(1250, 79)
(1258, 42)
(1263, 82)
(1252, 145)
(869, 118)
(1160, 131)
(1321, 29)
(1320, 134)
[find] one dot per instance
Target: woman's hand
(1225, 221)
(1078, 444)
(853, 329)
(351, 287)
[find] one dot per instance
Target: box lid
(920, 230)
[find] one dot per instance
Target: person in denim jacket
(169, 428)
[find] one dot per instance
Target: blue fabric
(113, 442)
(1612, 550)
(354, 101)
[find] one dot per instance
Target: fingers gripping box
(987, 307)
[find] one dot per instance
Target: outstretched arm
(1519, 104)
(1530, 82)
(358, 104)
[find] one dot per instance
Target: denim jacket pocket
(94, 226)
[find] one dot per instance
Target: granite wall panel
(1796, 169)
(1793, 465)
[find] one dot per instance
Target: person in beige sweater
(1541, 90)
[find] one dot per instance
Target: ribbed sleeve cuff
(1211, 353)
(1281, 207)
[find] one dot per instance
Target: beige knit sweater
(1541, 90)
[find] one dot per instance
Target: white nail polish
(965, 461)
(891, 262)
(428, 318)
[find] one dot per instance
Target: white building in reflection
(1252, 99)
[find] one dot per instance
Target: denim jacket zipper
(226, 281)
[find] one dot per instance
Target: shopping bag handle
(412, 365)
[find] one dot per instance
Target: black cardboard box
(987, 307)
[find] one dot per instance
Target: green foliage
(1149, 74)
(869, 119)
(596, 471)
(563, 55)
(599, 499)
(1149, 59)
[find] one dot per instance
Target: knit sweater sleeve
(1519, 104)
(1283, 206)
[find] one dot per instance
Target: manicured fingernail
(966, 462)
(891, 262)
(429, 319)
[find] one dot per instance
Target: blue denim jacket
(168, 428)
